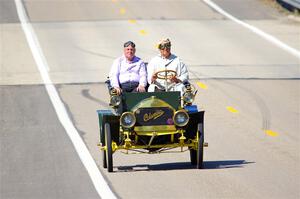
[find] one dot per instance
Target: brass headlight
(188, 97)
(181, 118)
(115, 100)
(127, 120)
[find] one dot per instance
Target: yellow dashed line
(202, 85)
(143, 32)
(122, 11)
(231, 109)
(132, 21)
(271, 133)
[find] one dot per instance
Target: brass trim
(114, 96)
(145, 133)
(183, 111)
(152, 101)
(155, 128)
(184, 98)
(175, 145)
(125, 113)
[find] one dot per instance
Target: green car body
(151, 122)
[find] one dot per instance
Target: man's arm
(143, 74)
(114, 76)
(151, 69)
(183, 74)
(143, 78)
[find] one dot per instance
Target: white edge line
(254, 29)
(98, 180)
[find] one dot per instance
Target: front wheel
(200, 146)
(103, 152)
(108, 144)
(197, 155)
(104, 161)
(193, 155)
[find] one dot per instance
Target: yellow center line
(132, 21)
(231, 109)
(122, 11)
(271, 133)
(202, 85)
(143, 32)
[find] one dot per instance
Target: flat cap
(164, 43)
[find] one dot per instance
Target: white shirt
(123, 71)
(174, 63)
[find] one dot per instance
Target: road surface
(248, 86)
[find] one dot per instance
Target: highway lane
(243, 159)
(63, 39)
(37, 158)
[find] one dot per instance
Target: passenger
(166, 61)
(128, 72)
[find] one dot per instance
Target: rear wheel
(108, 144)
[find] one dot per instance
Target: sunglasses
(129, 43)
(164, 46)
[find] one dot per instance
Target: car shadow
(224, 164)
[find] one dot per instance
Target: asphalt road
(248, 87)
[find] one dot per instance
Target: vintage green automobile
(152, 122)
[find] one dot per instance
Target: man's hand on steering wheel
(175, 79)
(154, 77)
(165, 75)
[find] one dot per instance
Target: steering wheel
(165, 74)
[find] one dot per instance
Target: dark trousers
(129, 86)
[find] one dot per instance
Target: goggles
(164, 46)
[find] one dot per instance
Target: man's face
(165, 52)
(129, 52)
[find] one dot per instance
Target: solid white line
(254, 29)
(98, 180)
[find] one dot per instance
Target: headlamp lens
(115, 100)
(181, 118)
(127, 119)
(188, 97)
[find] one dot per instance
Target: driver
(166, 61)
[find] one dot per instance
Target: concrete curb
(291, 5)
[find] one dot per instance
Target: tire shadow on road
(156, 167)
(224, 164)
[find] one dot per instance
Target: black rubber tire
(200, 147)
(103, 152)
(108, 144)
(193, 156)
(103, 155)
